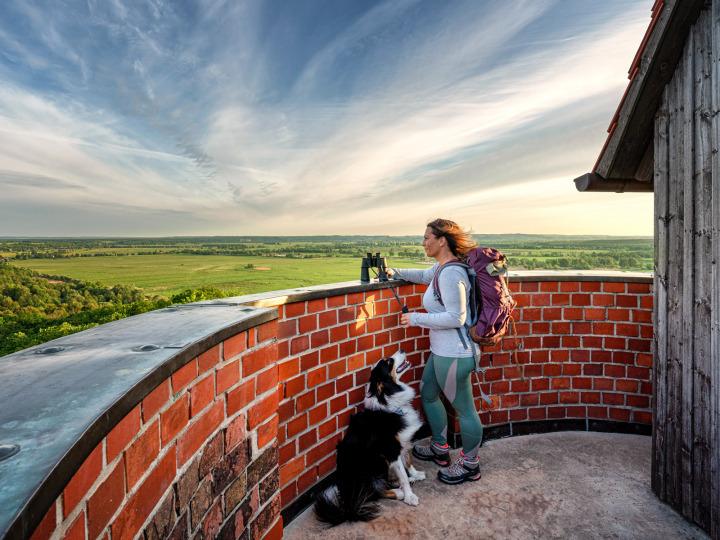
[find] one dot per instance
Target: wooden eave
(625, 161)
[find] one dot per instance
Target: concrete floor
(555, 485)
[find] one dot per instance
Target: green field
(170, 274)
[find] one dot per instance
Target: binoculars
(373, 261)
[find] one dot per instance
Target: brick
(239, 397)
(235, 345)
(328, 354)
(336, 369)
(162, 520)
(46, 526)
(306, 440)
(560, 383)
(299, 344)
(142, 453)
(81, 481)
(183, 376)
(144, 500)
(338, 333)
(530, 286)
(211, 455)
(121, 435)
(291, 470)
(227, 376)
(235, 432)
(209, 359)
(201, 394)
(76, 531)
(610, 398)
(590, 286)
(622, 415)
(262, 410)
(258, 359)
(105, 501)
(307, 324)
(174, 419)
(313, 306)
(328, 318)
(325, 391)
(267, 380)
(594, 314)
(155, 400)
(590, 397)
(317, 414)
(603, 300)
(294, 386)
(288, 368)
(267, 331)
(642, 417)
(597, 412)
(305, 401)
(199, 431)
(569, 286)
(641, 402)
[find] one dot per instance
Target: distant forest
(531, 252)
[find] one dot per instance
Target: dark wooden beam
(595, 182)
(634, 120)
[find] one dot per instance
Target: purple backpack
(491, 304)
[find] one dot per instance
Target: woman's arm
(453, 289)
(415, 275)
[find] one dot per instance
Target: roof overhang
(626, 160)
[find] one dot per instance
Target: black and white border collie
(375, 450)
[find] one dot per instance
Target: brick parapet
(247, 427)
(197, 456)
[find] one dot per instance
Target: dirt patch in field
(262, 268)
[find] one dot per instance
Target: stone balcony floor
(555, 485)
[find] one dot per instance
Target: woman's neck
(446, 257)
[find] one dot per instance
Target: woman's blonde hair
(459, 241)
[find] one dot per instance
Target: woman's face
(432, 243)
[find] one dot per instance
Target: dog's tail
(334, 508)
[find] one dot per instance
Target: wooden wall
(685, 465)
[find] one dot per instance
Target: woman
(451, 360)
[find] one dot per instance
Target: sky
(277, 117)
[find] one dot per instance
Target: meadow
(166, 275)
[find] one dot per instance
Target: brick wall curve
(265, 435)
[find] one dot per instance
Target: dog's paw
(399, 494)
(411, 499)
(416, 476)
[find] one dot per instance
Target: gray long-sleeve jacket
(443, 320)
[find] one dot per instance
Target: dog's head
(385, 375)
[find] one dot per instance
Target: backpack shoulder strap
(436, 278)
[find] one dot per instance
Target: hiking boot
(459, 472)
(432, 452)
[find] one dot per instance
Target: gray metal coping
(61, 398)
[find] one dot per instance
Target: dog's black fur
(375, 439)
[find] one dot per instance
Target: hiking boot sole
(443, 460)
(459, 479)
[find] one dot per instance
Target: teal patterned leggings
(452, 377)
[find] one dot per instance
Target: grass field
(169, 274)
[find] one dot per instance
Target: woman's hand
(405, 320)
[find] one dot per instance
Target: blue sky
(155, 117)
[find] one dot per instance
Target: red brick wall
(585, 353)
(198, 454)
(250, 425)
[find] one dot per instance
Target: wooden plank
(702, 175)
(660, 304)
(687, 106)
(625, 146)
(715, 306)
(674, 288)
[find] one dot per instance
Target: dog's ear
(375, 387)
